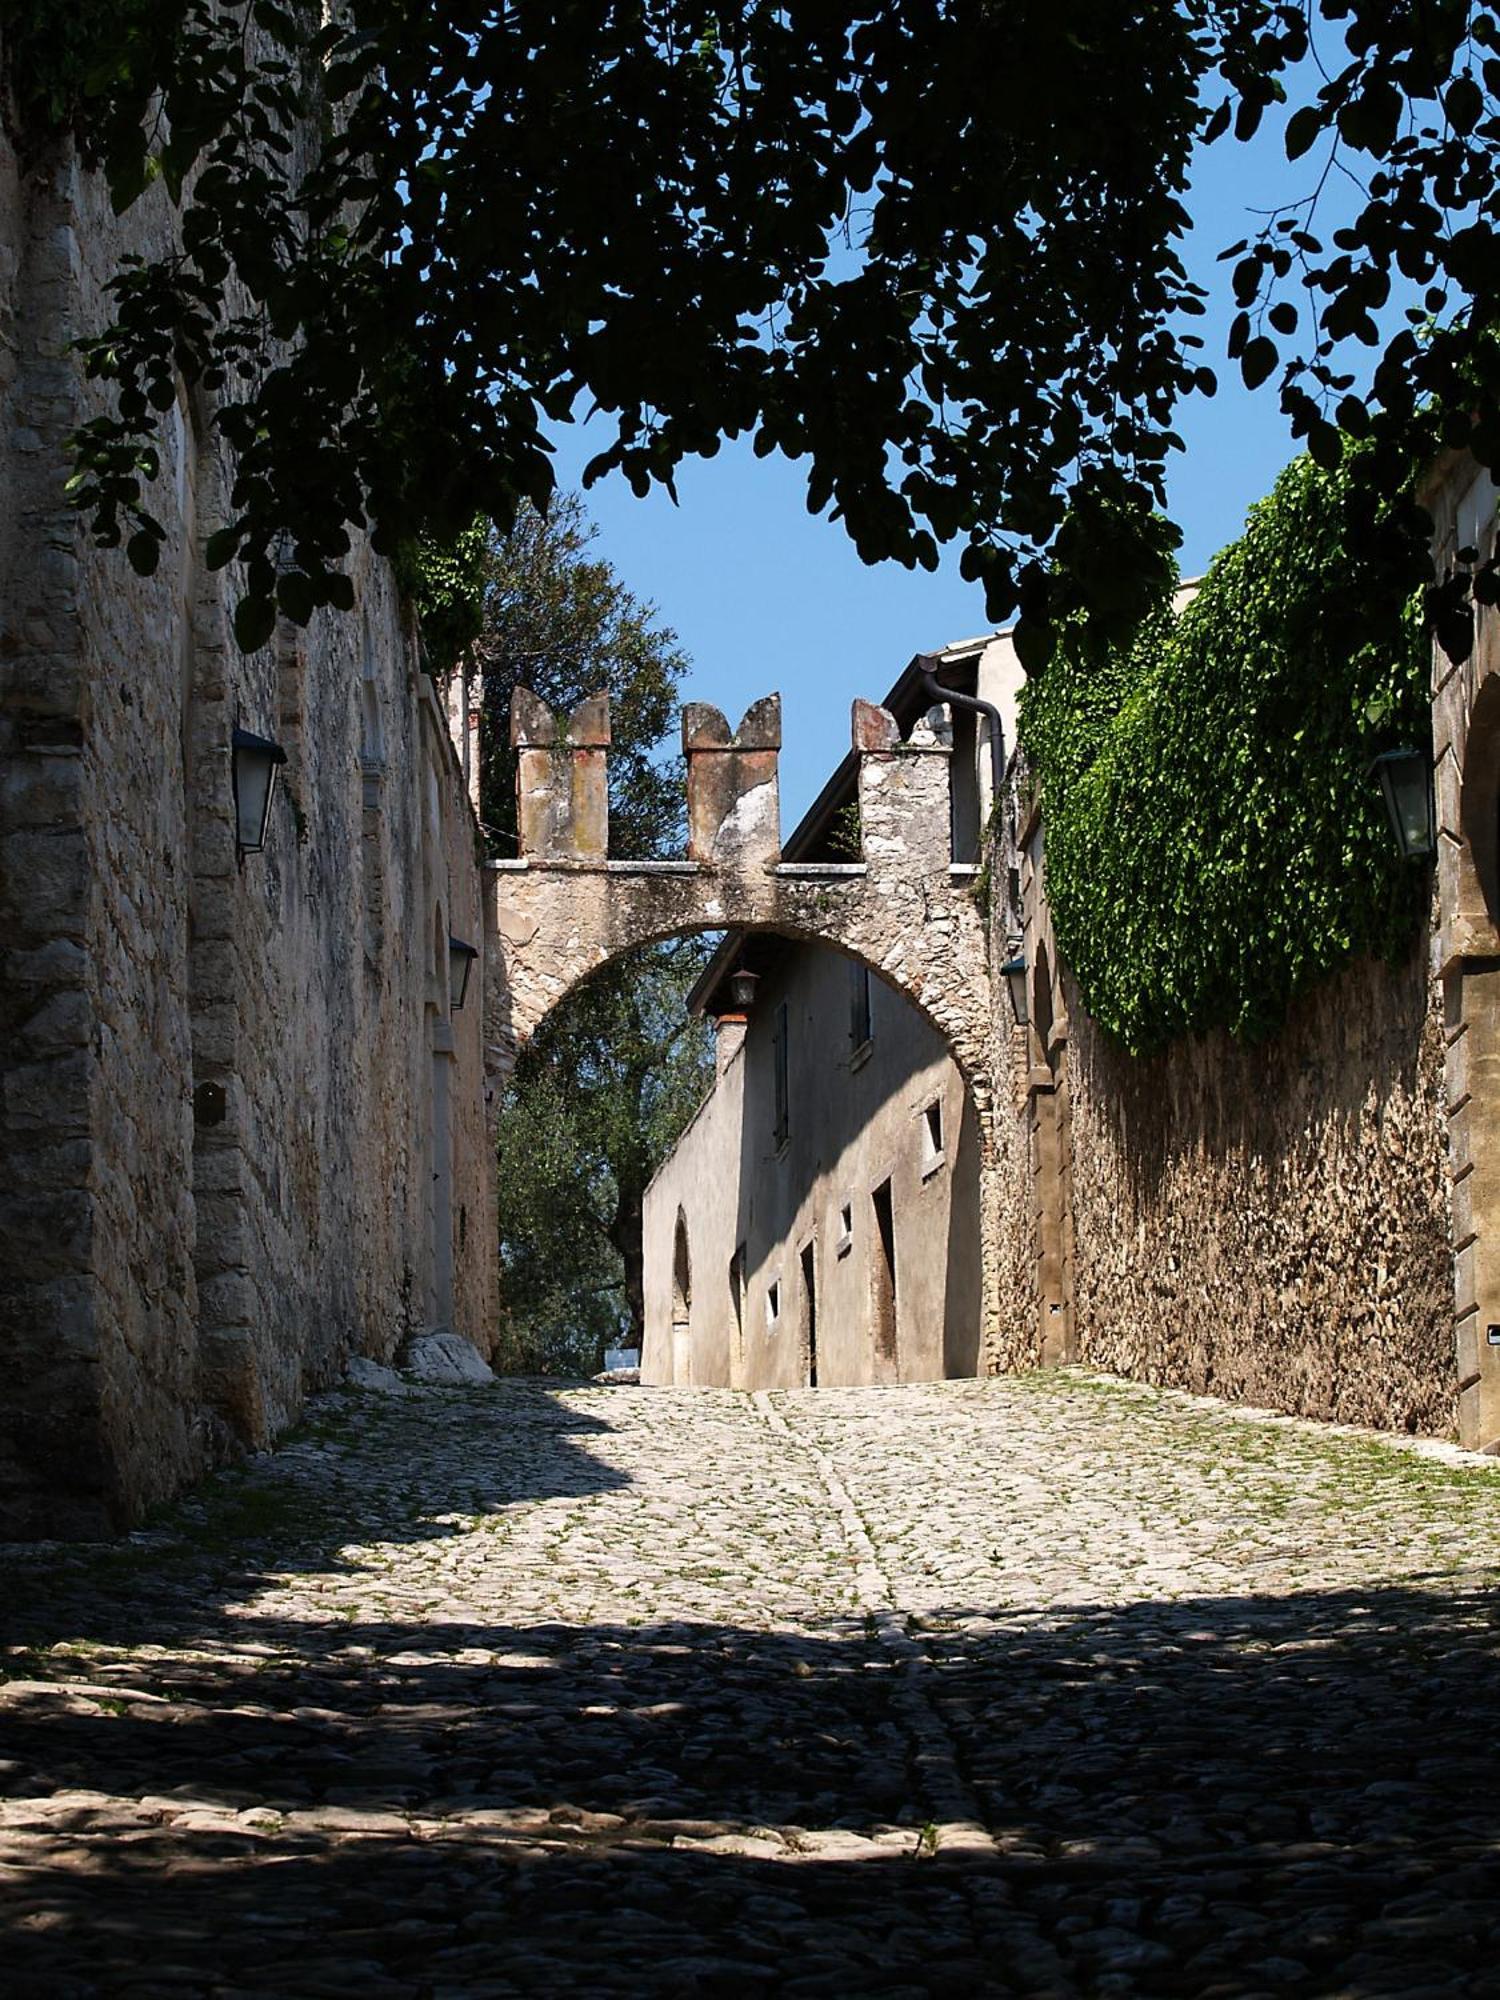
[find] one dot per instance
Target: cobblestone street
(1036, 1686)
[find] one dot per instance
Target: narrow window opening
(773, 1302)
(682, 1303)
(859, 1007)
(963, 787)
(682, 1274)
(737, 1287)
(810, 1310)
(883, 1281)
(845, 1242)
(932, 1137)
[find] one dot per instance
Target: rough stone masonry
(241, 1127)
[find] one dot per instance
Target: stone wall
(1466, 753)
(1020, 1203)
(1269, 1223)
(1265, 1222)
(222, 1146)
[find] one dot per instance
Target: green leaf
(294, 594)
(1257, 361)
(1463, 101)
(1326, 445)
(1303, 130)
(143, 551)
(254, 622)
(222, 546)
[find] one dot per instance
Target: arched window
(682, 1274)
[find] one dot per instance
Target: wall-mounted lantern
(1406, 786)
(254, 762)
(461, 959)
(1014, 972)
(742, 985)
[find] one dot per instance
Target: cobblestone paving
(1045, 1686)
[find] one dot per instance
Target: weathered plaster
(856, 1123)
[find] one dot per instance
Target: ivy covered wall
(1214, 845)
(1243, 1043)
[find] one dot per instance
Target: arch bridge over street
(564, 907)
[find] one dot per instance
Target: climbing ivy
(1214, 843)
(445, 580)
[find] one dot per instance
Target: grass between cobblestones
(1090, 1689)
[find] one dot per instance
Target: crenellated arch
(563, 910)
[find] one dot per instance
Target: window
(810, 1311)
(737, 1287)
(783, 1085)
(845, 1240)
(963, 786)
(883, 1284)
(773, 1302)
(932, 1137)
(682, 1274)
(859, 1006)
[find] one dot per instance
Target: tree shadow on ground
(1218, 1796)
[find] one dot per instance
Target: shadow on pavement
(1280, 1795)
(203, 1794)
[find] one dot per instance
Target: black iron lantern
(461, 959)
(742, 985)
(254, 762)
(1406, 786)
(1014, 972)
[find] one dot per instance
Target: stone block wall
(221, 1163)
(95, 1215)
(1466, 756)
(1269, 1223)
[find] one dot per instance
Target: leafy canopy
(1214, 843)
(929, 247)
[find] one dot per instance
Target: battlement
(733, 787)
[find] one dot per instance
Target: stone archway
(563, 908)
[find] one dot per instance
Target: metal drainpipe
(932, 685)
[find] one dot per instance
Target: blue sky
(765, 596)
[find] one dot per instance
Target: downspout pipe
(930, 684)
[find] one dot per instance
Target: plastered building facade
(818, 1221)
(242, 1131)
